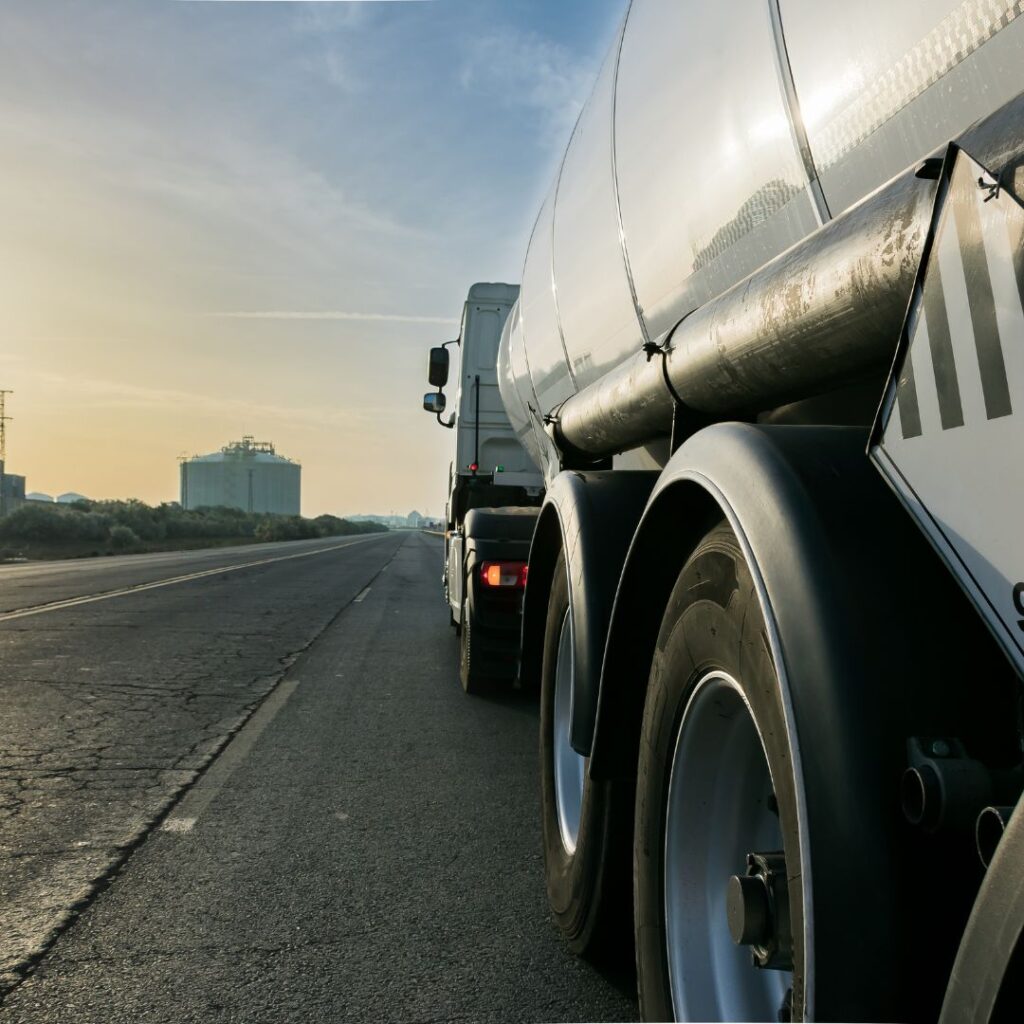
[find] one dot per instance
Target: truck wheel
(715, 785)
(587, 824)
(469, 674)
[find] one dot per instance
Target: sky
(228, 218)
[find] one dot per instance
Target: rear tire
(715, 782)
(587, 824)
(469, 675)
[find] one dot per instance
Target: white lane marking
(183, 818)
(137, 588)
(362, 596)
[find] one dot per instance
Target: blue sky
(167, 165)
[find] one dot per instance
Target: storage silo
(247, 474)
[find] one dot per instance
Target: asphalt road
(259, 794)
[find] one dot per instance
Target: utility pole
(3, 450)
(3, 424)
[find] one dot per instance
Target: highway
(245, 785)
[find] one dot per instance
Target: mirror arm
(451, 421)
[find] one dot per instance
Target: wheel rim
(718, 811)
(569, 766)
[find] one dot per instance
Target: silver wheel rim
(717, 812)
(569, 766)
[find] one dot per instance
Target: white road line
(137, 588)
(183, 818)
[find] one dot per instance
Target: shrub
(53, 523)
(122, 537)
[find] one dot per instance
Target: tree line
(127, 525)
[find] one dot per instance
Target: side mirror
(435, 402)
(437, 371)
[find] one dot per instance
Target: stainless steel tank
(718, 138)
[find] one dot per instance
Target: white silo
(247, 474)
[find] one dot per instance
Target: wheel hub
(721, 805)
(757, 909)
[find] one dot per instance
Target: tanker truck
(769, 356)
(494, 494)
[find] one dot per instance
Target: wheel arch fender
(815, 521)
(761, 480)
(591, 517)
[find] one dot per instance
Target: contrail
(286, 314)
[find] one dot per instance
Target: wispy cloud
(292, 314)
(523, 69)
(110, 394)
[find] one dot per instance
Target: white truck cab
(490, 470)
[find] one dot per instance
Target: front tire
(715, 783)
(472, 681)
(587, 824)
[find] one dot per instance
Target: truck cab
(494, 495)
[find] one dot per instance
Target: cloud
(525, 70)
(287, 314)
(332, 15)
(109, 395)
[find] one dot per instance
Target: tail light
(504, 574)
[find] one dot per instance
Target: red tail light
(503, 574)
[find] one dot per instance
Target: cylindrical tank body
(717, 137)
(246, 475)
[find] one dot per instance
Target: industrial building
(247, 475)
(12, 490)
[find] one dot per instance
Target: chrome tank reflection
(867, 76)
(711, 183)
(516, 387)
(826, 313)
(707, 149)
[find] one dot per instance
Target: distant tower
(247, 475)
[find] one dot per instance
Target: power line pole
(3, 450)
(3, 424)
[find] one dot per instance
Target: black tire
(589, 890)
(469, 675)
(712, 622)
